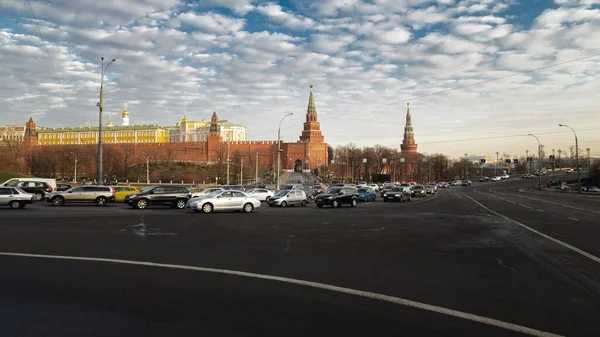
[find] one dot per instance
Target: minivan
(15, 181)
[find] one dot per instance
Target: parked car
(398, 194)
(337, 196)
(261, 194)
(174, 196)
(15, 197)
(366, 194)
(233, 187)
(39, 189)
(122, 191)
(225, 200)
(63, 187)
(100, 195)
(419, 191)
(286, 198)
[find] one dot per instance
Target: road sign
(516, 161)
(508, 161)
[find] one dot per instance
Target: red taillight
(48, 189)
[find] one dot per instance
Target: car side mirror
(218, 197)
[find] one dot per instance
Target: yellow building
(153, 133)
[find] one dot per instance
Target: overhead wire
(47, 52)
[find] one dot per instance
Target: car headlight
(397, 195)
(329, 198)
(385, 194)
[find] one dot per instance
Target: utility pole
(256, 170)
(279, 149)
(539, 162)
(466, 161)
(100, 107)
(559, 161)
(228, 149)
(497, 153)
(75, 171)
(589, 160)
(527, 160)
(553, 161)
(147, 168)
(242, 171)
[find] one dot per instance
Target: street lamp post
(539, 161)
(366, 168)
(559, 161)
(589, 160)
(279, 149)
(75, 164)
(576, 157)
(147, 168)
(497, 153)
(527, 161)
(100, 105)
(466, 161)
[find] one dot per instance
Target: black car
(63, 187)
(174, 196)
(466, 183)
(397, 194)
(37, 188)
(337, 196)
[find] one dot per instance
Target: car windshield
(213, 194)
(418, 188)
(362, 190)
(334, 190)
(395, 189)
(281, 193)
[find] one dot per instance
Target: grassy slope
(4, 176)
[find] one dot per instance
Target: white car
(15, 197)
(593, 189)
(375, 187)
(505, 176)
(496, 178)
(261, 193)
(224, 201)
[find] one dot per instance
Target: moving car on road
(286, 198)
(482, 179)
(203, 193)
(224, 201)
(419, 191)
(496, 178)
(15, 197)
(398, 194)
(337, 196)
(100, 195)
(366, 194)
(466, 183)
(174, 196)
(262, 194)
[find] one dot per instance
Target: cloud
(275, 13)
(330, 43)
(212, 22)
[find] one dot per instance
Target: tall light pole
(466, 161)
(539, 161)
(497, 153)
(576, 157)
(99, 105)
(279, 149)
(75, 164)
(589, 160)
(527, 161)
(147, 169)
(559, 161)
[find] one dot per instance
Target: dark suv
(337, 196)
(174, 196)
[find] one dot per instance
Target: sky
(464, 66)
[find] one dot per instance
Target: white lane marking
(571, 207)
(562, 243)
(574, 219)
(525, 206)
(366, 294)
(512, 202)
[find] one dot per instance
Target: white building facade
(197, 131)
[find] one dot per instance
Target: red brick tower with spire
(409, 147)
(213, 143)
(312, 128)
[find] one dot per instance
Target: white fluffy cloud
(252, 61)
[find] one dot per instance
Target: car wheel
(38, 196)
(101, 201)
(248, 207)
(303, 203)
(374, 197)
(409, 198)
(353, 203)
(335, 204)
(58, 201)
(15, 204)
(319, 206)
(283, 204)
(207, 208)
(180, 203)
(142, 203)
(401, 198)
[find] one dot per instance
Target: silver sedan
(224, 201)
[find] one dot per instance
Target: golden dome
(110, 123)
(125, 113)
(184, 119)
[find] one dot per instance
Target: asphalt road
(457, 250)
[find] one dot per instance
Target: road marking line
(512, 202)
(571, 207)
(525, 206)
(366, 294)
(564, 244)
(574, 219)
